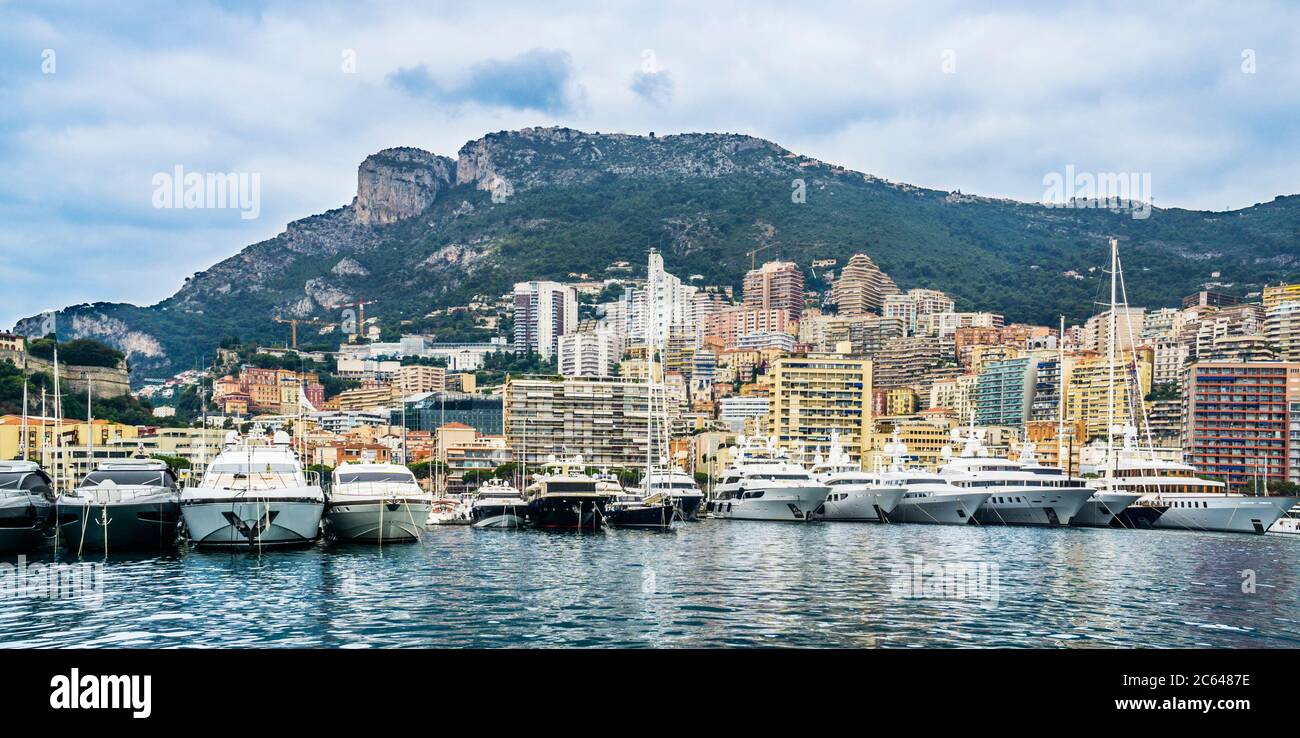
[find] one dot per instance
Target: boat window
(11, 480)
(386, 476)
(36, 483)
(255, 468)
(128, 477)
(570, 486)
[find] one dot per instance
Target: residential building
(1238, 420)
(544, 311)
(813, 396)
(862, 287)
(1088, 390)
(1004, 392)
(416, 378)
(590, 353)
(910, 306)
(603, 419)
(736, 410)
(776, 285)
(1282, 320)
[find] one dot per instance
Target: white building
(590, 353)
(736, 409)
(911, 305)
(544, 311)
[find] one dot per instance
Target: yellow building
(900, 401)
(812, 396)
(1276, 295)
(41, 432)
(1088, 393)
(925, 435)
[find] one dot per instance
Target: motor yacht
(127, 505)
(562, 495)
(855, 495)
(497, 504)
(1017, 495)
(254, 494)
(26, 506)
(375, 502)
(762, 483)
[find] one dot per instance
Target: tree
(175, 463)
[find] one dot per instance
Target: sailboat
(653, 509)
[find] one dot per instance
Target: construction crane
(360, 305)
(753, 262)
(293, 326)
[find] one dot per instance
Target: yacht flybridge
(254, 494)
(764, 484)
(855, 495)
(1019, 493)
(562, 495)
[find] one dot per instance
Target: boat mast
(1110, 349)
(1060, 397)
(650, 371)
(58, 416)
(23, 435)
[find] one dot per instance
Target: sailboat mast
(1110, 349)
(1060, 394)
(58, 417)
(24, 435)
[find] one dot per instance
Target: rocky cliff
(549, 202)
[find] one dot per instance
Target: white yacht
(1288, 523)
(1172, 496)
(375, 502)
(497, 504)
(764, 484)
(855, 495)
(1098, 511)
(1017, 495)
(927, 497)
(678, 487)
(254, 495)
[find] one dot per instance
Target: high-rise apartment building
(913, 304)
(1238, 420)
(1088, 390)
(1282, 320)
(776, 285)
(590, 353)
(544, 311)
(813, 396)
(1004, 392)
(861, 287)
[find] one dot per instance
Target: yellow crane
(753, 262)
(293, 326)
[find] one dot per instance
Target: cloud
(654, 87)
(256, 87)
(537, 79)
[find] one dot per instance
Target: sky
(97, 102)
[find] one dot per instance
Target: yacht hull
(649, 516)
(1032, 508)
(499, 516)
(131, 526)
(1286, 525)
(687, 506)
(1222, 513)
(385, 520)
(788, 504)
(955, 509)
(24, 524)
(249, 522)
(1101, 509)
(562, 512)
(862, 505)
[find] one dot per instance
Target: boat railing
(377, 489)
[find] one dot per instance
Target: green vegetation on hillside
(78, 352)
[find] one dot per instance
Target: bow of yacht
(254, 494)
(375, 502)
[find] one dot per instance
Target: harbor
(713, 583)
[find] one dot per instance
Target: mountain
(426, 231)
